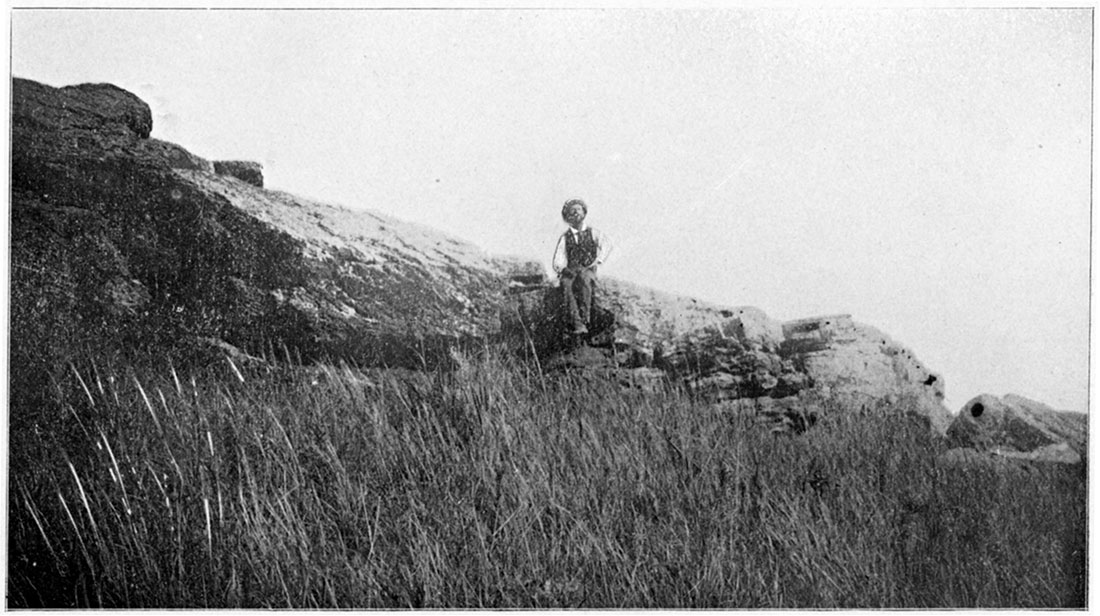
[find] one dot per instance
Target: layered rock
(120, 238)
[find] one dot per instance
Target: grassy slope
(495, 487)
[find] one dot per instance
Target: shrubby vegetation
(496, 486)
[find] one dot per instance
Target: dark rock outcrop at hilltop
(131, 242)
(116, 236)
(91, 106)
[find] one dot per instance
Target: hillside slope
(128, 242)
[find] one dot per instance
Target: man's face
(574, 215)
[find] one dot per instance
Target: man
(580, 250)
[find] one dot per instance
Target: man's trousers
(577, 287)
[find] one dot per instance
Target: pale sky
(925, 170)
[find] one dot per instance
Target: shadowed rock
(89, 106)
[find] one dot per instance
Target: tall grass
(492, 487)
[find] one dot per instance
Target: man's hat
(570, 203)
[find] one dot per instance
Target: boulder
(1070, 426)
(842, 356)
(1019, 428)
(246, 171)
(100, 107)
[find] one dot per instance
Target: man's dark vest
(580, 252)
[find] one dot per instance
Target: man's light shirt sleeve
(559, 255)
(603, 242)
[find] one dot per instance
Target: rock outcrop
(1017, 428)
(734, 352)
(122, 239)
(244, 170)
(116, 236)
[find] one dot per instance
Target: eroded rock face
(1017, 428)
(120, 237)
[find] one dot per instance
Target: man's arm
(560, 260)
(603, 246)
